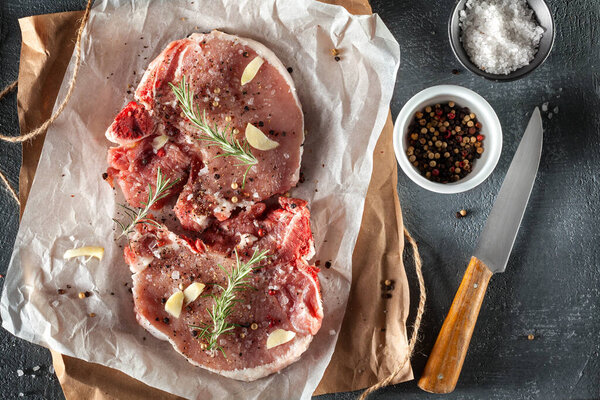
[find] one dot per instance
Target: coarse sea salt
(500, 36)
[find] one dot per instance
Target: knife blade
(490, 256)
(500, 231)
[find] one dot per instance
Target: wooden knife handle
(446, 359)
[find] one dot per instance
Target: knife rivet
(475, 285)
(440, 377)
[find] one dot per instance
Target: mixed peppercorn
(443, 142)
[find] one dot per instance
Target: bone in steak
(286, 294)
(213, 64)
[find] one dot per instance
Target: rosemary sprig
(225, 302)
(211, 135)
(139, 215)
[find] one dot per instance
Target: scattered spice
(92, 315)
(444, 141)
(327, 264)
(61, 291)
(81, 295)
(387, 286)
(461, 213)
(254, 326)
(530, 336)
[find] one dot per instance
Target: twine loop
(42, 128)
(418, 318)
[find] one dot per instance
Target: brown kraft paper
(373, 340)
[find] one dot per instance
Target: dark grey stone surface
(552, 286)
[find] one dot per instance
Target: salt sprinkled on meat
(500, 36)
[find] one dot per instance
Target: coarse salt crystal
(175, 275)
(36, 368)
(500, 36)
(332, 332)
(20, 372)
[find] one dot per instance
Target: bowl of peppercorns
(447, 139)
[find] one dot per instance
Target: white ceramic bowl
(490, 128)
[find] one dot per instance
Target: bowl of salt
(501, 40)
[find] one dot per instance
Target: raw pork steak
(213, 64)
(286, 294)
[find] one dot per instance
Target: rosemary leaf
(140, 215)
(212, 135)
(222, 308)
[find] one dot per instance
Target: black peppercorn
(443, 140)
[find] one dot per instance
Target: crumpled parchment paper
(346, 104)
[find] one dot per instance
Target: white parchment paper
(345, 103)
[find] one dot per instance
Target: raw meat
(212, 64)
(227, 206)
(287, 294)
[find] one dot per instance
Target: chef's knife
(491, 255)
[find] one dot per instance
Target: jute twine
(417, 325)
(42, 128)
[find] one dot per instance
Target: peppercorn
(431, 148)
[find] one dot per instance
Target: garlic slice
(251, 70)
(87, 251)
(279, 336)
(174, 304)
(257, 139)
(159, 142)
(192, 292)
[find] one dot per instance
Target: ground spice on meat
(444, 140)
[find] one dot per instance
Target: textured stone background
(552, 286)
